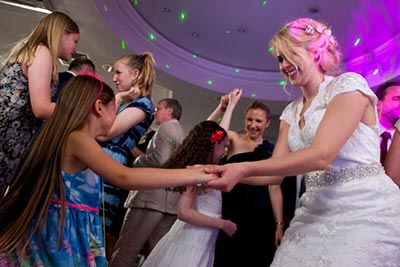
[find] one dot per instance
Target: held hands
(229, 175)
(234, 96)
(229, 227)
(231, 98)
(202, 177)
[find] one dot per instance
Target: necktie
(385, 136)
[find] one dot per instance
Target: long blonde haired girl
(26, 84)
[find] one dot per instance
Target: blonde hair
(24, 209)
(315, 37)
(145, 64)
(47, 33)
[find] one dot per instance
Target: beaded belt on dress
(342, 175)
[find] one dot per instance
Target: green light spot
(264, 2)
(182, 16)
(282, 82)
(169, 139)
(237, 70)
(219, 119)
(253, 95)
(152, 37)
(270, 49)
(194, 56)
(167, 66)
(210, 82)
(105, 8)
(135, 2)
(123, 45)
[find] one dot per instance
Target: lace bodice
(363, 145)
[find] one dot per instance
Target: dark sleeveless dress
(250, 208)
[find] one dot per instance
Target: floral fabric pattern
(82, 241)
(18, 125)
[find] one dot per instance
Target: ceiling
(205, 48)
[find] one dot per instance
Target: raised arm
(219, 111)
(85, 149)
(392, 162)
(234, 98)
(188, 214)
(341, 118)
(39, 79)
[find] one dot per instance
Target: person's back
(78, 65)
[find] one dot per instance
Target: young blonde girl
(191, 240)
(50, 214)
(27, 82)
(133, 119)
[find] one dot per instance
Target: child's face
(219, 150)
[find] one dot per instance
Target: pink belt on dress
(75, 206)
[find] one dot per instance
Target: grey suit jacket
(167, 138)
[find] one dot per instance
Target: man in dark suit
(388, 112)
(80, 64)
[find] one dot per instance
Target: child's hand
(229, 227)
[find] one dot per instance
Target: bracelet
(280, 224)
(120, 98)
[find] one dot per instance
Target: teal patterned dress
(82, 241)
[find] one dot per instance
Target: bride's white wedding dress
(350, 214)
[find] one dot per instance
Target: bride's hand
(229, 174)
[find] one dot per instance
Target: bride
(350, 212)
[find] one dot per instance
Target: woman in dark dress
(257, 210)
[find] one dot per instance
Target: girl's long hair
(48, 33)
(24, 210)
(196, 148)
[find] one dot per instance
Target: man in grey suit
(151, 212)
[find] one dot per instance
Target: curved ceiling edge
(379, 65)
(180, 63)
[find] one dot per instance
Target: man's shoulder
(171, 124)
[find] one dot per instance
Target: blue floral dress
(18, 125)
(82, 241)
(120, 149)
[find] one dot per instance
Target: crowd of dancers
(213, 198)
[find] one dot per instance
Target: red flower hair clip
(217, 136)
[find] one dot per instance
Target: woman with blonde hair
(131, 72)
(350, 211)
(27, 82)
(50, 217)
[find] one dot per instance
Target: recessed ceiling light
(313, 9)
(195, 34)
(108, 67)
(166, 9)
(242, 30)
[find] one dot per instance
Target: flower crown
(217, 136)
(310, 30)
